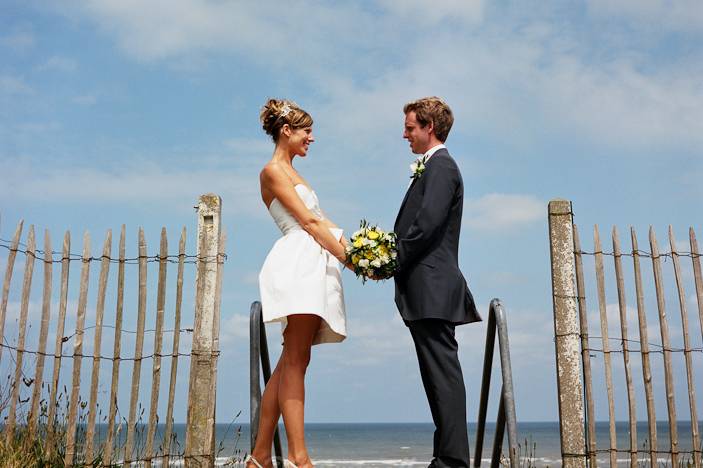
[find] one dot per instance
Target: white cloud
(164, 29)
(433, 12)
(501, 211)
(621, 104)
(14, 85)
(58, 63)
(251, 278)
(140, 183)
(18, 41)
(514, 78)
(682, 15)
(38, 127)
(234, 328)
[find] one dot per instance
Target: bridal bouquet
(373, 252)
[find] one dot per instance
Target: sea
(377, 445)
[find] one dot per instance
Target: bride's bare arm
(280, 185)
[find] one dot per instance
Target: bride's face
(299, 140)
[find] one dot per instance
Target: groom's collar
(432, 151)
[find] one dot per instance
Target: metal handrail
(259, 352)
(506, 408)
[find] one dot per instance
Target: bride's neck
(283, 156)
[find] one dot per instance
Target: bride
(300, 282)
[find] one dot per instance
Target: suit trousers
(437, 355)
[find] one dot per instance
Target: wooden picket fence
(82, 447)
(578, 350)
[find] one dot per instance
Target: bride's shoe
(253, 460)
(288, 464)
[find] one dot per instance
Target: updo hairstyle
(278, 112)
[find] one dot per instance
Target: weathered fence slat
(644, 349)
(174, 352)
(97, 345)
(585, 351)
(77, 354)
(24, 310)
(696, 260)
(200, 443)
(216, 323)
(622, 307)
(138, 348)
(600, 281)
(566, 334)
(158, 340)
(43, 332)
(686, 347)
(8, 279)
(58, 346)
(664, 330)
(109, 440)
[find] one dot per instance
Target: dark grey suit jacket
(428, 283)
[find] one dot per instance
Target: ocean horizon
(377, 445)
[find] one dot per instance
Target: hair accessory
(285, 110)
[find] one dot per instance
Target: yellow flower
(373, 235)
(382, 250)
(355, 259)
(369, 255)
(358, 243)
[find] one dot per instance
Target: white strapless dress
(299, 276)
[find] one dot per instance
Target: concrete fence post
(566, 334)
(200, 425)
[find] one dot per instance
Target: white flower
(366, 241)
(363, 263)
(373, 243)
(418, 167)
(385, 259)
(376, 263)
(394, 254)
(357, 233)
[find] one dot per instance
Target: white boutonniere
(418, 167)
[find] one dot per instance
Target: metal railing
(506, 409)
(259, 353)
(259, 361)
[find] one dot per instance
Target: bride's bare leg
(297, 341)
(269, 414)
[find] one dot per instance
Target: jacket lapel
(407, 193)
(412, 185)
(402, 205)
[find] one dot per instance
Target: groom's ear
(430, 127)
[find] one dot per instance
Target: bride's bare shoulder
(271, 172)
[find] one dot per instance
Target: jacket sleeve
(441, 180)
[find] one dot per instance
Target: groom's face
(417, 136)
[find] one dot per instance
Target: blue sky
(118, 112)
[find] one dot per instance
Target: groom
(430, 291)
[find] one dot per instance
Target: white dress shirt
(433, 150)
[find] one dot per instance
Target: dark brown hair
(435, 110)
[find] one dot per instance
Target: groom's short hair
(435, 110)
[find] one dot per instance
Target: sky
(125, 112)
